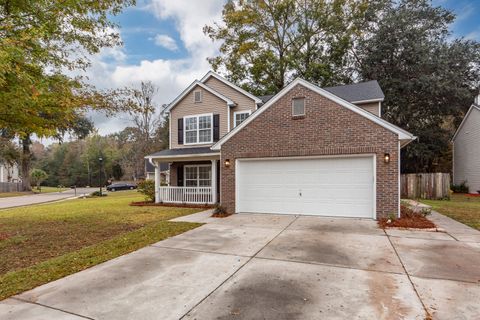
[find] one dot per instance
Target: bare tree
(146, 122)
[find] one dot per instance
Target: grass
(43, 243)
(14, 194)
(460, 207)
(48, 189)
(34, 190)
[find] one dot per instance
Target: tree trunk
(26, 156)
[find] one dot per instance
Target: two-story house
(305, 150)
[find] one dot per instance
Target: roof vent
(477, 99)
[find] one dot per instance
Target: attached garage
(325, 186)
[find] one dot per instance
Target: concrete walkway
(253, 266)
(27, 200)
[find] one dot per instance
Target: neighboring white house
(466, 149)
(150, 172)
(8, 173)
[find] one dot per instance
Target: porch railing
(199, 195)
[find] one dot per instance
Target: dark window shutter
(180, 176)
(216, 127)
(180, 131)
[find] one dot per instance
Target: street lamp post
(100, 160)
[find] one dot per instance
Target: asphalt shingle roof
(361, 91)
(183, 151)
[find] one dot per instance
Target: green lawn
(48, 189)
(42, 243)
(14, 194)
(460, 207)
(34, 190)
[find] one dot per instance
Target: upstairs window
(240, 116)
(197, 96)
(198, 129)
(298, 107)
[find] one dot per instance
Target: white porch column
(214, 181)
(157, 181)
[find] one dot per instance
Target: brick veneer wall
(326, 129)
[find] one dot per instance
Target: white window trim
(198, 180)
(194, 95)
(198, 129)
(304, 107)
(239, 112)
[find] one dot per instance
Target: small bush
(219, 211)
(407, 212)
(425, 211)
(97, 194)
(460, 188)
(147, 188)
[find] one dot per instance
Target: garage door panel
(323, 186)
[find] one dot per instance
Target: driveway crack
(427, 313)
(53, 308)
(240, 268)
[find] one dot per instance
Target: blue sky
(164, 43)
(140, 27)
(467, 23)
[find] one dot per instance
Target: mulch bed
(408, 219)
(221, 215)
(172, 205)
(473, 195)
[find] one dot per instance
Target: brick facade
(326, 129)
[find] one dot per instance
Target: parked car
(121, 186)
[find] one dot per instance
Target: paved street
(42, 198)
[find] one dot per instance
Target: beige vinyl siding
(466, 153)
(243, 103)
(372, 107)
(187, 107)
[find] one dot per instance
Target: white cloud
(167, 42)
(110, 70)
(474, 35)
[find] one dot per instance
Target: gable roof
(403, 135)
(368, 91)
(228, 83)
(203, 86)
(472, 107)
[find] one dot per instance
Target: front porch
(194, 176)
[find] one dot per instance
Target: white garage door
(342, 187)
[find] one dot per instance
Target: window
(240, 116)
(198, 176)
(298, 107)
(198, 129)
(197, 96)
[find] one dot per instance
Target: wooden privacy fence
(425, 185)
(10, 186)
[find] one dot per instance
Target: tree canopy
(429, 77)
(39, 41)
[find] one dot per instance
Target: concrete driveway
(253, 266)
(27, 200)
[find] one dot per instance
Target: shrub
(97, 194)
(147, 188)
(460, 188)
(219, 211)
(406, 212)
(425, 211)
